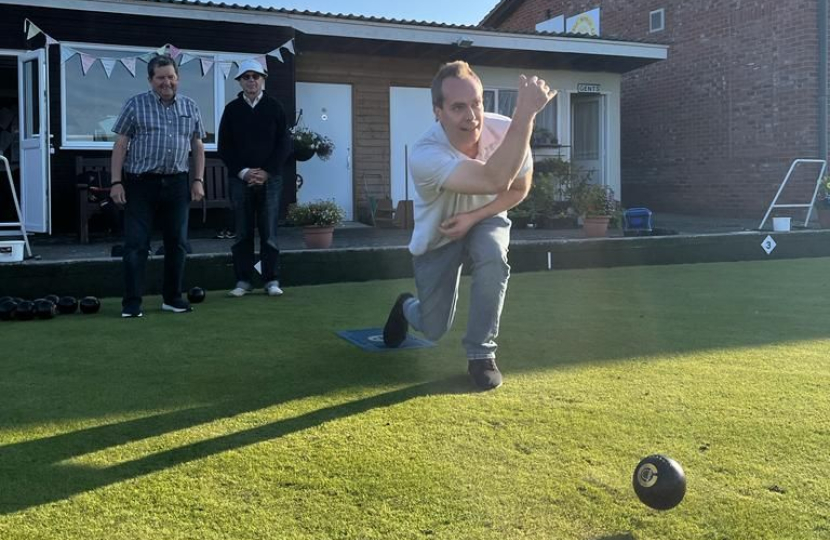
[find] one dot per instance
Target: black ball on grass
(6, 299)
(54, 298)
(7, 310)
(67, 305)
(45, 309)
(659, 482)
(25, 311)
(196, 295)
(90, 305)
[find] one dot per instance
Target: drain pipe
(822, 78)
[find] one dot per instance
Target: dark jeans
(170, 195)
(260, 206)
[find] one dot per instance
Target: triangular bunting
(67, 53)
(86, 62)
(187, 58)
(33, 30)
(206, 65)
(129, 63)
(173, 51)
(262, 62)
(161, 51)
(146, 57)
(226, 68)
(276, 53)
(289, 45)
(108, 64)
(50, 40)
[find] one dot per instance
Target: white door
(32, 87)
(588, 135)
(410, 115)
(327, 110)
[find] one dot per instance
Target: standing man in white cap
(254, 143)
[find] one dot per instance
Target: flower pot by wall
(595, 226)
(823, 214)
(318, 237)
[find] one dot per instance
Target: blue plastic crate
(637, 219)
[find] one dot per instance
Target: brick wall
(713, 129)
(370, 78)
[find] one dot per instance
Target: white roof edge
(352, 28)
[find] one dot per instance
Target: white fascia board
(334, 27)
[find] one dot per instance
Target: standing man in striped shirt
(156, 132)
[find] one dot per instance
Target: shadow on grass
(34, 475)
(624, 536)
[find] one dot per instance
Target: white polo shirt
(432, 161)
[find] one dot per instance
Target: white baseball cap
(250, 65)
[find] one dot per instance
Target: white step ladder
(19, 225)
(809, 205)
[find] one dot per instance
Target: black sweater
(254, 137)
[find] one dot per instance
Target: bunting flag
(161, 51)
(186, 57)
(276, 53)
(50, 40)
(129, 63)
(109, 64)
(31, 29)
(206, 65)
(289, 45)
(173, 51)
(226, 68)
(262, 62)
(146, 57)
(86, 62)
(67, 53)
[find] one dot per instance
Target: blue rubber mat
(371, 339)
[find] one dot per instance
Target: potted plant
(307, 143)
(822, 204)
(596, 204)
(318, 219)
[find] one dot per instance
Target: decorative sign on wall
(587, 88)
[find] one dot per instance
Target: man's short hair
(459, 70)
(161, 61)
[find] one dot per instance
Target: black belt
(152, 175)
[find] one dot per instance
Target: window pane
(232, 87)
(200, 88)
(31, 118)
(507, 101)
(489, 101)
(586, 130)
(546, 122)
(93, 101)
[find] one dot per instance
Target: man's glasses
(251, 76)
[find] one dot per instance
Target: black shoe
(484, 373)
(131, 311)
(394, 333)
(178, 305)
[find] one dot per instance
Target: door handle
(348, 159)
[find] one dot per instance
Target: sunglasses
(251, 76)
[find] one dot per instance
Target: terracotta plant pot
(318, 237)
(823, 214)
(595, 226)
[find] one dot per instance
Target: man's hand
(197, 191)
(118, 195)
(256, 177)
(457, 226)
(534, 93)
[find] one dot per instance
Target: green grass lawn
(251, 419)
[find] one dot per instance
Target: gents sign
(587, 88)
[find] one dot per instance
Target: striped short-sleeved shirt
(159, 134)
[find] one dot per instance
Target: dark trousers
(260, 206)
(147, 193)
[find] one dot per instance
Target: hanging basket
(303, 154)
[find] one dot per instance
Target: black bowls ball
(25, 311)
(90, 305)
(7, 310)
(45, 309)
(67, 305)
(54, 298)
(196, 295)
(659, 482)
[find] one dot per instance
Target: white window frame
(218, 88)
(555, 129)
(651, 14)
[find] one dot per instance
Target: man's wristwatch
(199, 180)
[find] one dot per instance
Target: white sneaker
(241, 289)
(273, 289)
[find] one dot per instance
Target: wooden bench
(217, 191)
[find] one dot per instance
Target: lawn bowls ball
(659, 482)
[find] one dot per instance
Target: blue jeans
(170, 195)
(438, 274)
(260, 206)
